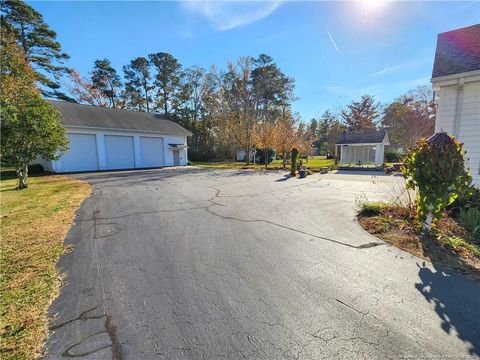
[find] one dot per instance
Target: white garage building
(107, 139)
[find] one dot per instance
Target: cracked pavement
(192, 263)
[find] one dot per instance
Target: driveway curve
(216, 264)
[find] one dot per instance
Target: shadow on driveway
(457, 303)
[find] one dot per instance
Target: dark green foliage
(138, 81)
(39, 44)
(167, 78)
(31, 130)
(470, 220)
(106, 80)
(293, 164)
(361, 115)
(35, 169)
(393, 155)
(469, 198)
(265, 153)
(437, 171)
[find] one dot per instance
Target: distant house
(456, 82)
(362, 147)
(104, 138)
(242, 155)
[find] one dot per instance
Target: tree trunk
(284, 159)
(145, 87)
(22, 174)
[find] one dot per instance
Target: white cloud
(378, 90)
(226, 15)
(401, 66)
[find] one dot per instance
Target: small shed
(366, 147)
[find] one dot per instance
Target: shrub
(394, 155)
(372, 208)
(35, 169)
(470, 198)
(470, 220)
(262, 153)
(293, 165)
(436, 169)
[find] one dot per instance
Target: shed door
(176, 157)
(82, 155)
(119, 153)
(152, 151)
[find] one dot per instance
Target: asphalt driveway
(215, 264)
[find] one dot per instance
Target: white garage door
(152, 151)
(119, 152)
(82, 155)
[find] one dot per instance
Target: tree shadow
(457, 302)
(285, 178)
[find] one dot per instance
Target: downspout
(458, 108)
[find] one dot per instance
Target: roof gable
(368, 137)
(74, 114)
(458, 51)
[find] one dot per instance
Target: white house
(104, 138)
(456, 82)
(362, 147)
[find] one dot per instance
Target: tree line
(246, 105)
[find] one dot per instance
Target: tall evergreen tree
(138, 81)
(168, 75)
(271, 88)
(106, 80)
(39, 44)
(361, 115)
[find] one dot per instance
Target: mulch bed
(393, 226)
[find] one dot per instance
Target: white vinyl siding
(446, 109)
(469, 131)
(152, 151)
(119, 152)
(82, 154)
(469, 126)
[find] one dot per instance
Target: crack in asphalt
(363, 246)
(109, 330)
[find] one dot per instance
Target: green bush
(394, 155)
(262, 153)
(293, 165)
(469, 198)
(436, 169)
(372, 208)
(470, 220)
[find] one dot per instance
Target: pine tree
(361, 115)
(168, 75)
(106, 80)
(138, 82)
(39, 45)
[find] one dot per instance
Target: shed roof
(74, 114)
(458, 51)
(367, 137)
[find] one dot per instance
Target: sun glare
(370, 6)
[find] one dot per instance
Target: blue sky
(336, 51)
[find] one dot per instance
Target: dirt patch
(394, 228)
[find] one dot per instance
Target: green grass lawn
(314, 162)
(34, 222)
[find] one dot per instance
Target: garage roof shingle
(74, 114)
(458, 51)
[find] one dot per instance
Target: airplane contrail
(333, 41)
